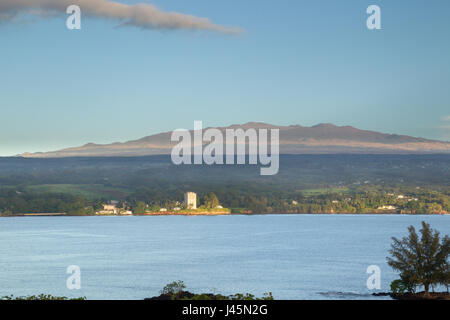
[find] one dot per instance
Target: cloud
(444, 128)
(145, 16)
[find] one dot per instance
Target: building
(112, 208)
(190, 200)
(108, 209)
(389, 207)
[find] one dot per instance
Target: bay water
(292, 256)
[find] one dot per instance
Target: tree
(155, 208)
(173, 289)
(140, 208)
(421, 262)
(210, 201)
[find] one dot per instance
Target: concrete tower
(190, 200)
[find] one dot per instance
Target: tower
(190, 200)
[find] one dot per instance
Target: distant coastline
(224, 213)
(334, 184)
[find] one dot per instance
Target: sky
(134, 71)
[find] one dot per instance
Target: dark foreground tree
(176, 291)
(173, 288)
(421, 262)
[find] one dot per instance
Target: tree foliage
(210, 201)
(173, 288)
(421, 261)
(176, 291)
(39, 297)
(140, 208)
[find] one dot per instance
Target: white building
(387, 208)
(190, 200)
(108, 209)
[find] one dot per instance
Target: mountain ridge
(296, 139)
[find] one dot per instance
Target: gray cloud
(139, 15)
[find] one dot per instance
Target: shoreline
(175, 213)
(223, 214)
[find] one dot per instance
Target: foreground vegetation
(39, 297)
(172, 291)
(422, 262)
(176, 291)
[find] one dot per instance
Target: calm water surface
(293, 256)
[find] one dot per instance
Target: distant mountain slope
(318, 139)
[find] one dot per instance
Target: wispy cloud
(145, 16)
(444, 127)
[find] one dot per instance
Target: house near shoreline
(108, 209)
(389, 207)
(112, 209)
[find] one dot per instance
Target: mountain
(295, 139)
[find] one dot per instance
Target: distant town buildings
(190, 200)
(123, 208)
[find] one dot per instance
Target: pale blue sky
(298, 62)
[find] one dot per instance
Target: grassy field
(316, 192)
(91, 192)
